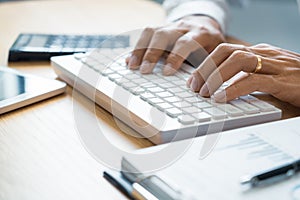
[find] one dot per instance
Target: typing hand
(181, 38)
(268, 69)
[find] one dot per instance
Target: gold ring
(259, 64)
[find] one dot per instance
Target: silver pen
(151, 187)
(273, 175)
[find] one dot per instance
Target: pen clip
(159, 188)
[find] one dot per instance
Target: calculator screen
(11, 85)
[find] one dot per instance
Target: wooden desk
(41, 156)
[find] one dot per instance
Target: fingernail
(195, 84)
(204, 90)
(168, 70)
(127, 60)
(220, 96)
(145, 67)
(188, 82)
(132, 62)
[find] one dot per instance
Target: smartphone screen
(11, 85)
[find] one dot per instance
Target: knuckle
(174, 59)
(196, 73)
(151, 55)
(224, 47)
(137, 51)
(148, 30)
(181, 23)
(238, 54)
(161, 33)
(204, 31)
(289, 61)
(262, 45)
(203, 28)
(183, 41)
(295, 62)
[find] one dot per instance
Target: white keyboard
(161, 107)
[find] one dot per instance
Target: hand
(183, 37)
(279, 75)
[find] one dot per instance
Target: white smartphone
(18, 90)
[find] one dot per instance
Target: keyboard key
(182, 104)
(186, 119)
(122, 80)
(191, 110)
(160, 81)
(146, 96)
(180, 82)
(173, 112)
(216, 113)
(202, 117)
(123, 72)
(112, 77)
(164, 94)
(263, 106)
(193, 99)
(184, 94)
(231, 110)
(102, 69)
(154, 101)
(91, 62)
(79, 56)
(148, 85)
(247, 108)
(168, 85)
(163, 106)
(172, 78)
(155, 89)
(202, 104)
(172, 99)
(176, 89)
(151, 76)
(138, 90)
(140, 81)
(107, 71)
(118, 67)
(129, 85)
(133, 76)
(183, 75)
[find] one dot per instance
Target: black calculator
(40, 47)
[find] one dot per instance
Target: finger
(159, 43)
(272, 51)
(127, 59)
(247, 85)
(138, 53)
(183, 47)
(239, 61)
(211, 63)
(188, 82)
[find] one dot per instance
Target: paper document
(238, 152)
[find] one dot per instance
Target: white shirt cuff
(207, 8)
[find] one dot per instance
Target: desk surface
(40, 153)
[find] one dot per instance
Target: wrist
(204, 20)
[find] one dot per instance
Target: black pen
(116, 179)
(272, 176)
